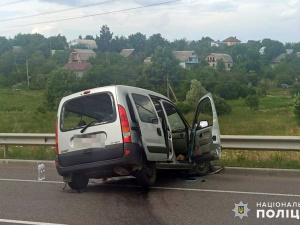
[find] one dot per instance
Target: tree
(89, 37)
(80, 37)
(179, 45)
(273, 49)
(296, 109)
(119, 43)
(137, 41)
(163, 65)
(61, 83)
(155, 41)
(104, 41)
(196, 92)
(221, 65)
(252, 101)
(58, 42)
(5, 45)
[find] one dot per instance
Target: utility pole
(168, 95)
(27, 73)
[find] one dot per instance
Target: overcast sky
(190, 19)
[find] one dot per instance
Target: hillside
(22, 112)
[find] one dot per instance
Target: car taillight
(56, 137)
(125, 125)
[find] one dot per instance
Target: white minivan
(121, 130)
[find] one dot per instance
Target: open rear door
(207, 133)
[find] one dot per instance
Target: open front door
(207, 133)
(152, 135)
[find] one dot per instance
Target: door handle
(214, 138)
(158, 131)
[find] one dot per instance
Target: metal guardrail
(21, 139)
(265, 143)
(230, 142)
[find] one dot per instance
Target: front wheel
(79, 181)
(146, 177)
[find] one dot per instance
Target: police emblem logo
(241, 210)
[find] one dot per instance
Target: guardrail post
(5, 151)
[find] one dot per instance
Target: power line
(58, 11)
(97, 14)
(15, 2)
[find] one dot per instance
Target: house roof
(85, 54)
(279, 58)
(91, 43)
(16, 49)
(183, 56)
(231, 39)
(126, 52)
(147, 60)
(77, 66)
(226, 58)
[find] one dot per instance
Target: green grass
(29, 152)
(274, 117)
(20, 113)
(260, 159)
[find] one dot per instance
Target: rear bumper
(102, 167)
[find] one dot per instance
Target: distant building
(188, 59)
(16, 49)
(54, 51)
(213, 58)
(217, 43)
(78, 68)
(88, 44)
(128, 53)
(81, 55)
(78, 61)
(147, 60)
(231, 41)
(262, 50)
(277, 59)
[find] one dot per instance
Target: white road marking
(27, 222)
(166, 188)
(33, 181)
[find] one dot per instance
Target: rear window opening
(78, 112)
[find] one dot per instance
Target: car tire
(146, 177)
(79, 181)
(203, 168)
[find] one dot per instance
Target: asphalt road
(174, 200)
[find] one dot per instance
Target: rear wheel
(146, 177)
(79, 181)
(203, 168)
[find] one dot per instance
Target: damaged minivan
(121, 130)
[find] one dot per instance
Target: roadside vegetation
(252, 98)
(21, 113)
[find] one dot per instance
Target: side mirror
(203, 124)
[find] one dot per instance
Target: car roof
(113, 88)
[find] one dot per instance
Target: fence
(230, 142)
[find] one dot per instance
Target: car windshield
(96, 108)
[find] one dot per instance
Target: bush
(252, 101)
(61, 83)
(251, 91)
(296, 89)
(296, 109)
(184, 108)
(222, 106)
(196, 92)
